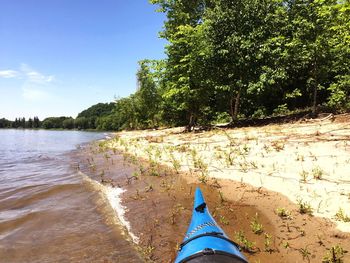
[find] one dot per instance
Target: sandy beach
(290, 178)
(306, 162)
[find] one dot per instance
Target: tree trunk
(191, 122)
(235, 105)
(314, 97)
(314, 102)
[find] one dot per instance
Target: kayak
(205, 241)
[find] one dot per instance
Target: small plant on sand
(199, 163)
(243, 166)
(245, 149)
(267, 243)
(149, 188)
(278, 145)
(244, 243)
(182, 148)
(222, 198)
(176, 163)
(231, 140)
(334, 255)
(148, 251)
(203, 178)
(133, 159)
(224, 220)
(341, 216)
(154, 172)
(300, 158)
(158, 153)
(229, 158)
(135, 175)
(142, 169)
(256, 227)
(254, 164)
(303, 176)
(304, 207)
(286, 244)
(305, 253)
(317, 173)
(267, 148)
(283, 213)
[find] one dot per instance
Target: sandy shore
(290, 179)
(308, 162)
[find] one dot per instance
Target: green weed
(256, 227)
(303, 176)
(283, 213)
(317, 173)
(304, 207)
(305, 253)
(244, 242)
(224, 220)
(267, 242)
(341, 216)
(334, 255)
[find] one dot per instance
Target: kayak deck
(205, 241)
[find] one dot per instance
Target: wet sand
(159, 203)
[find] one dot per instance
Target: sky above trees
(58, 57)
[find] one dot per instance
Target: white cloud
(35, 76)
(8, 73)
(35, 86)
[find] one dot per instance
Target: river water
(48, 211)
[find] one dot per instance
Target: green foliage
(334, 255)
(4, 123)
(304, 207)
(245, 244)
(341, 216)
(54, 122)
(256, 227)
(98, 110)
(283, 213)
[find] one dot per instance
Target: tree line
(87, 119)
(234, 59)
(31, 123)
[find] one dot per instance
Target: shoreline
(159, 213)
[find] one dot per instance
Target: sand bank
(308, 162)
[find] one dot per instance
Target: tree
(68, 124)
(4, 123)
(36, 122)
(245, 39)
(310, 46)
(30, 123)
(81, 123)
(339, 98)
(183, 31)
(147, 96)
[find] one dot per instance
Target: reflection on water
(47, 214)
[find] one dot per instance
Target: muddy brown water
(48, 212)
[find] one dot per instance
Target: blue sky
(58, 57)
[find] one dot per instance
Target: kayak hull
(205, 241)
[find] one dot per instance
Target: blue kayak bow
(205, 241)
